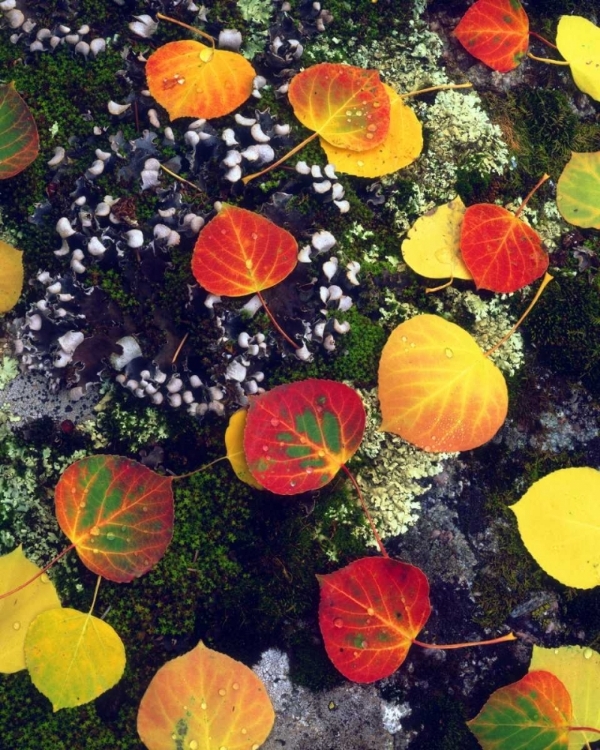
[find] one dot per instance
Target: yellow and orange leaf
(11, 278)
(234, 445)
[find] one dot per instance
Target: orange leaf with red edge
(118, 513)
(369, 614)
(347, 106)
(495, 32)
(299, 435)
(502, 253)
(190, 79)
(205, 700)
(240, 252)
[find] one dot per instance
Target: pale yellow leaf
(578, 41)
(11, 276)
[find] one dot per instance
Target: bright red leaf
(369, 614)
(299, 435)
(495, 32)
(240, 252)
(502, 253)
(118, 513)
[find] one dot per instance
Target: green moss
(359, 350)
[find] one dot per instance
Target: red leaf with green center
(118, 513)
(495, 32)
(299, 435)
(19, 142)
(240, 252)
(534, 712)
(501, 252)
(369, 614)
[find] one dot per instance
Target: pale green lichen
(9, 369)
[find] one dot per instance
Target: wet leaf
(234, 444)
(240, 252)
(559, 522)
(19, 609)
(437, 389)
(578, 190)
(534, 712)
(190, 79)
(11, 279)
(578, 41)
(402, 145)
(19, 142)
(369, 613)
(205, 700)
(431, 247)
(495, 32)
(502, 253)
(118, 513)
(299, 435)
(347, 106)
(73, 657)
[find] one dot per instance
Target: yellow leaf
(431, 247)
(578, 41)
(402, 145)
(73, 657)
(578, 668)
(11, 277)
(234, 444)
(559, 522)
(19, 609)
(578, 190)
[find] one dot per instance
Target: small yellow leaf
(578, 41)
(431, 247)
(559, 522)
(234, 444)
(19, 609)
(73, 657)
(11, 276)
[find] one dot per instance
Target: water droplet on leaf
(338, 622)
(16, 625)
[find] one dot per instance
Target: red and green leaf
(369, 614)
(118, 514)
(299, 435)
(19, 141)
(495, 32)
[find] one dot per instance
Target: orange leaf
(190, 79)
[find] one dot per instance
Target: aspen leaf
(431, 247)
(559, 522)
(234, 444)
(578, 190)
(578, 41)
(19, 609)
(19, 140)
(11, 278)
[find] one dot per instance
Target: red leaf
(495, 32)
(369, 614)
(118, 513)
(19, 141)
(240, 252)
(501, 252)
(299, 435)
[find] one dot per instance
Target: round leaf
(240, 252)
(437, 389)
(578, 190)
(73, 657)
(369, 613)
(118, 513)
(501, 252)
(402, 145)
(19, 141)
(578, 41)
(234, 445)
(348, 106)
(205, 700)
(190, 79)
(11, 279)
(559, 522)
(299, 435)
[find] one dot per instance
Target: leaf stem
(501, 639)
(187, 26)
(382, 549)
(95, 596)
(179, 348)
(38, 574)
(276, 324)
(541, 38)
(197, 471)
(181, 179)
(547, 60)
(285, 157)
(443, 87)
(538, 184)
(584, 729)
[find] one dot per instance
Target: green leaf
(578, 190)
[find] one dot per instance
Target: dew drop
(355, 653)
(370, 611)
(404, 339)
(338, 622)
(369, 136)
(255, 746)
(376, 104)
(449, 353)
(587, 654)
(274, 422)
(222, 691)
(321, 454)
(360, 163)
(265, 448)
(44, 578)
(205, 55)
(292, 483)
(303, 440)
(371, 128)
(144, 508)
(236, 686)
(412, 344)
(95, 531)
(248, 264)
(254, 236)
(193, 745)
(181, 81)
(244, 731)
(222, 747)
(82, 505)
(309, 469)
(223, 231)
(364, 644)
(16, 625)
(110, 536)
(173, 736)
(359, 113)
(203, 706)
(348, 113)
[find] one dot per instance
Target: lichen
(9, 369)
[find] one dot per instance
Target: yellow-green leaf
(432, 245)
(578, 41)
(234, 444)
(19, 609)
(578, 668)
(11, 277)
(73, 657)
(578, 190)
(559, 522)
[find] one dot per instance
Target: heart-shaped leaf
(234, 445)
(495, 32)
(369, 613)
(502, 253)
(437, 389)
(190, 79)
(578, 190)
(118, 513)
(205, 700)
(19, 141)
(299, 435)
(11, 279)
(578, 41)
